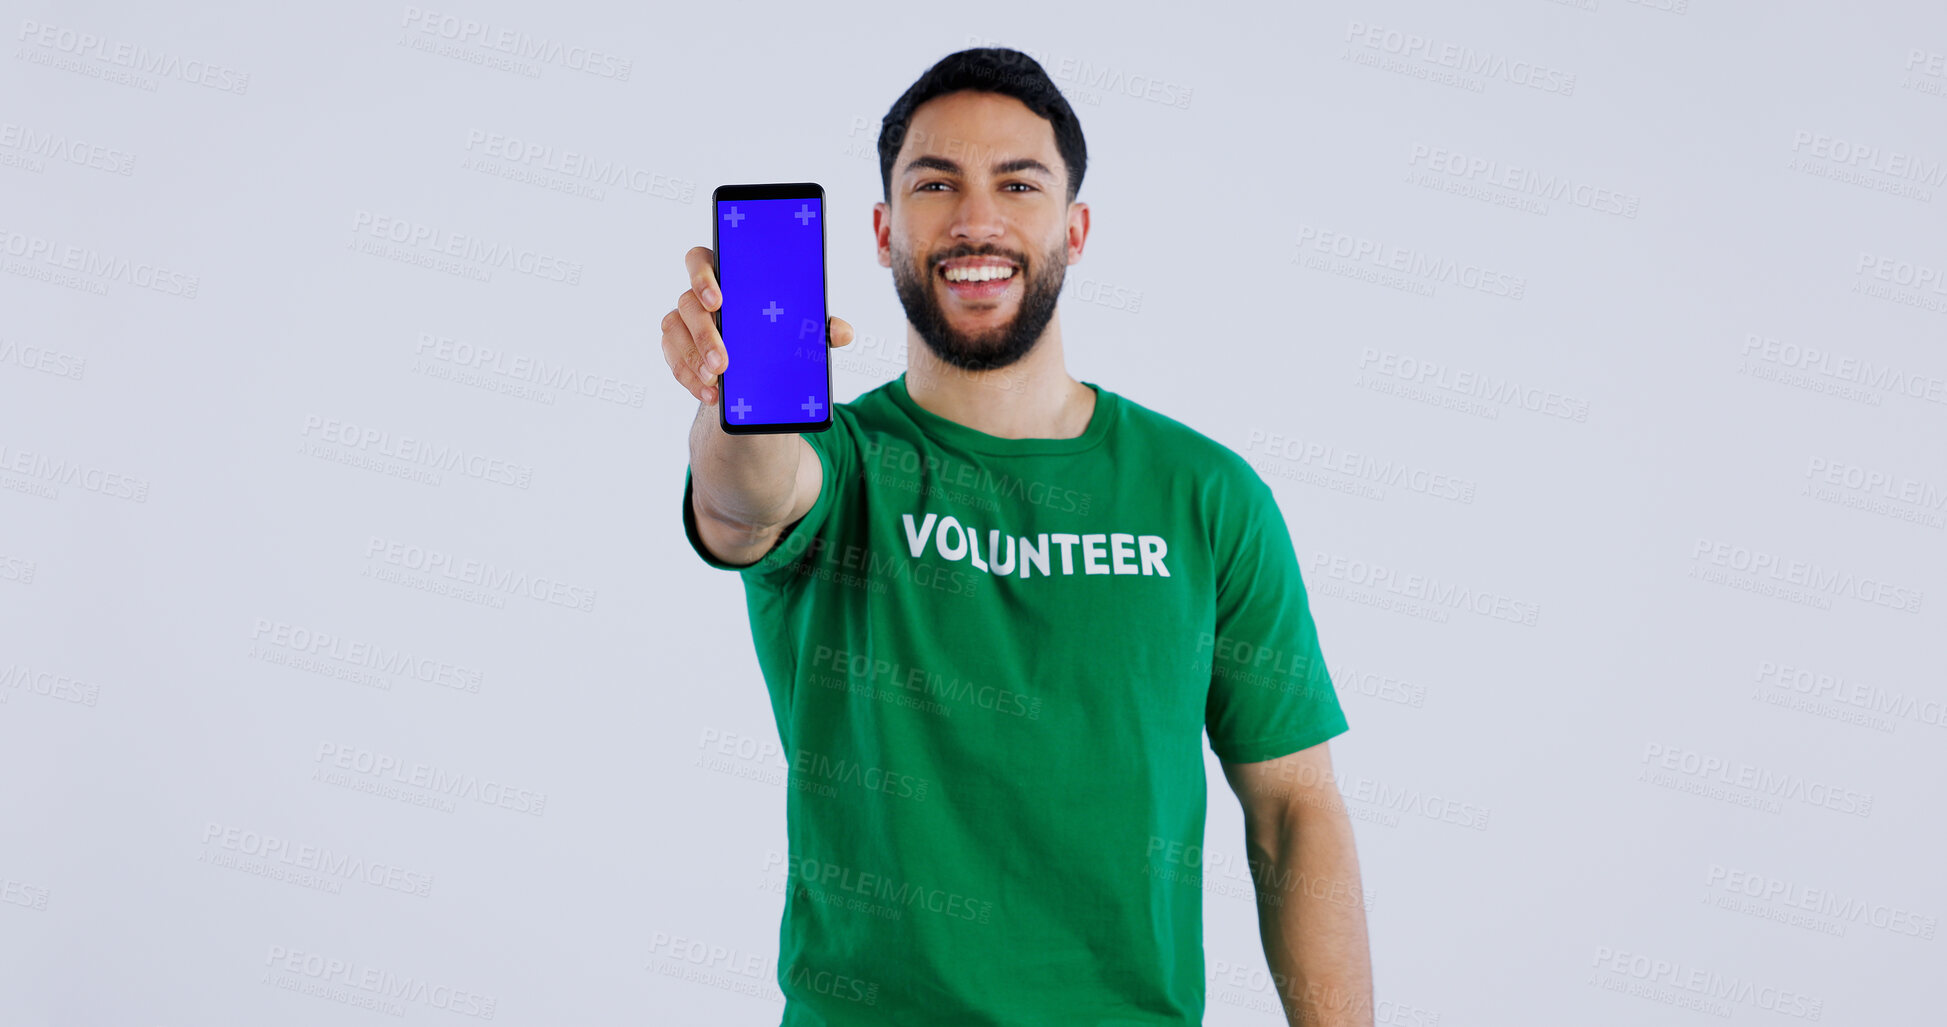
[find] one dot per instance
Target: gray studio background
(1595, 352)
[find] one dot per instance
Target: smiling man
(997, 609)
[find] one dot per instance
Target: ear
(1077, 230)
(882, 231)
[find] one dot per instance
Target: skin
(1310, 902)
(946, 196)
(959, 187)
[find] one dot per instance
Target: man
(996, 608)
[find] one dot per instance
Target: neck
(1032, 398)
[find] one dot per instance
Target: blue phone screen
(770, 261)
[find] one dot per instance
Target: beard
(994, 348)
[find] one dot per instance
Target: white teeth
(978, 274)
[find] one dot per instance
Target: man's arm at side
(1311, 905)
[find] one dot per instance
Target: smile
(978, 272)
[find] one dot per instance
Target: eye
(1023, 185)
(920, 188)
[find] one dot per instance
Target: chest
(1093, 596)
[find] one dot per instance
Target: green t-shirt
(992, 662)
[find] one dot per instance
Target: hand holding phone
(693, 342)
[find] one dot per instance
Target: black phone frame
(772, 191)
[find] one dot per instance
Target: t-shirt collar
(955, 433)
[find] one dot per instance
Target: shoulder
(1165, 443)
(870, 410)
(854, 421)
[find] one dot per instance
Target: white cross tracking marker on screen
(734, 217)
(741, 408)
(805, 214)
(774, 310)
(811, 405)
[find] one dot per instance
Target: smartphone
(770, 245)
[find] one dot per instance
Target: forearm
(745, 481)
(1311, 916)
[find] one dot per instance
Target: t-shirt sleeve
(1270, 692)
(836, 453)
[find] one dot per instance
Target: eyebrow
(1006, 167)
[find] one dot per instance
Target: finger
(679, 352)
(841, 331)
(701, 263)
(711, 356)
(679, 349)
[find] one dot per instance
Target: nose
(978, 218)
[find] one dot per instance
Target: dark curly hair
(988, 70)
